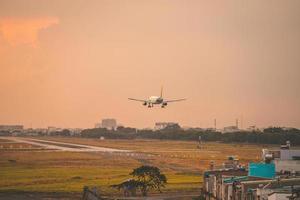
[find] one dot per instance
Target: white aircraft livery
(155, 100)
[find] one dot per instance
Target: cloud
(24, 30)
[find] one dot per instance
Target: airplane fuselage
(155, 100)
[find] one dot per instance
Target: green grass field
(182, 162)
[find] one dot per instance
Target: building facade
(11, 128)
(110, 124)
(163, 125)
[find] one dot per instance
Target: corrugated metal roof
(237, 178)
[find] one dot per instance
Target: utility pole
(215, 123)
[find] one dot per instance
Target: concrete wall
(279, 196)
(287, 154)
(287, 165)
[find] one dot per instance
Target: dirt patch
(16, 195)
(18, 146)
(4, 140)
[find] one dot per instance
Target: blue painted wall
(262, 170)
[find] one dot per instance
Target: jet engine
(164, 104)
(145, 103)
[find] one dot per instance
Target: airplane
(156, 100)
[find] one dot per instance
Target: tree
(129, 187)
(127, 130)
(149, 177)
(146, 178)
(65, 132)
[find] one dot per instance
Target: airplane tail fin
(161, 91)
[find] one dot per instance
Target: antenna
(215, 121)
(242, 122)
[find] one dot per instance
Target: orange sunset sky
(70, 63)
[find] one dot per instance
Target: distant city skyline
(74, 64)
(152, 126)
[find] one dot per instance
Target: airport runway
(62, 146)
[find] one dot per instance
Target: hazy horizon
(72, 63)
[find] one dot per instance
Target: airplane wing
(170, 101)
(137, 100)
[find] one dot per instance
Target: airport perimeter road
(175, 196)
(62, 146)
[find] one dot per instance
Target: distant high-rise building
(163, 125)
(11, 128)
(230, 129)
(53, 129)
(215, 124)
(110, 124)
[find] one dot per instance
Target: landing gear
(162, 106)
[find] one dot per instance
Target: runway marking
(62, 146)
